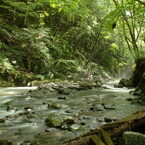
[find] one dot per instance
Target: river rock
(9, 102)
(10, 108)
(54, 105)
(73, 86)
(5, 142)
(111, 96)
(118, 86)
(134, 138)
(87, 85)
(106, 119)
(57, 120)
(86, 117)
(63, 91)
(40, 93)
(28, 108)
(74, 127)
(107, 107)
(2, 120)
(62, 97)
(125, 83)
(51, 138)
(97, 107)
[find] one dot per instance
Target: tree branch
(141, 2)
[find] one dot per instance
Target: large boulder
(58, 119)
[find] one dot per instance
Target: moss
(96, 140)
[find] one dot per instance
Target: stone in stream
(57, 120)
(134, 138)
(2, 120)
(64, 91)
(97, 107)
(62, 97)
(28, 108)
(54, 105)
(111, 96)
(107, 107)
(109, 119)
(9, 102)
(5, 142)
(68, 111)
(118, 86)
(74, 127)
(55, 137)
(10, 108)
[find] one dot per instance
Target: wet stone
(109, 119)
(65, 127)
(2, 120)
(118, 86)
(12, 116)
(53, 105)
(9, 102)
(29, 116)
(10, 108)
(64, 91)
(86, 117)
(98, 107)
(5, 142)
(69, 111)
(57, 120)
(107, 107)
(48, 130)
(29, 108)
(62, 97)
(26, 120)
(75, 127)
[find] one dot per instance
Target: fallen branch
(105, 134)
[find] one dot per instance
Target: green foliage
(130, 14)
(42, 39)
(5, 66)
(65, 67)
(31, 44)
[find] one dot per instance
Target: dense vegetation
(68, 39)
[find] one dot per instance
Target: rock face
(134, 138)
(57, 120)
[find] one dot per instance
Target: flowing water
(87, 106)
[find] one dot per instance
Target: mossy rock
(57, 120)
(134, 138)
(53, 105)
(5, 142)
(125, 83)
(86, 84)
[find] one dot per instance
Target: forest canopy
(68, 39)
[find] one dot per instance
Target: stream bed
(22, 116)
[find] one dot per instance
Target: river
(87, 106)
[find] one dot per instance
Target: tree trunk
(105, 134)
